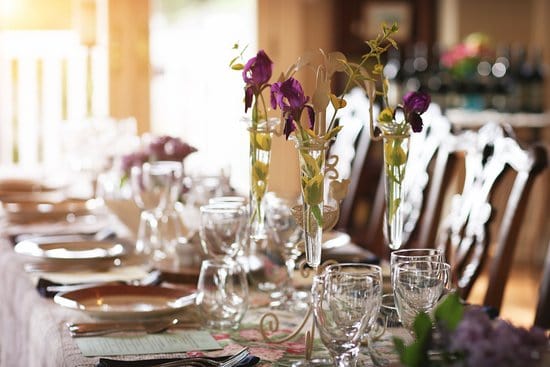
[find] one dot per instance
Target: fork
(155, 327)
(206, 362)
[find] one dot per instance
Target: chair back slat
(542, 315)
(464, 232)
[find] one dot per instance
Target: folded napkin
(105, 362)
(154, 278)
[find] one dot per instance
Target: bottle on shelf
(534, 82)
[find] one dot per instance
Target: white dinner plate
(334, 239)
(77, 250)
(126, 301)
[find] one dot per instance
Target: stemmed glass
(346, 302)
(222, 229)
(418, 286)
(414, 254)
(286, 235)
(155, 187)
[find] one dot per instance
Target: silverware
(49, 267)
(208, 362)
(104, 328)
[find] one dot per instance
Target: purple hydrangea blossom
(162, 148)
(414, 105)
(167, 148)
(290, 98)
(485, 342)
(256, 74)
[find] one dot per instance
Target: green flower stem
(395, 161)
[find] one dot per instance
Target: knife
(149, 326)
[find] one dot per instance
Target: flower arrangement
(462, 59)
(162, 148)
(465, 336)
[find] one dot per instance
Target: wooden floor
(521, 294)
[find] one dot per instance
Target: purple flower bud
(290, 98)
(257, 70)
(415, 104)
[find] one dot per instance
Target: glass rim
(228, 199)
(405, 253)
(223, 207)
(372, 267)
(409, 250)
(442, 263)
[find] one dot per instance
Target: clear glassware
(418, 287)
(222, 294)
(286, 235)
(346, 302)
(155, 188)
(238, 201)
(222, 229)
(414, 254)
(381, 348)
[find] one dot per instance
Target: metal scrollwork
(330, 167)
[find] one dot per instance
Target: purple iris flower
(290, 98)
(414, 105)
(256, 74)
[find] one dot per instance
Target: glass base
(317, 362)
(296, 301)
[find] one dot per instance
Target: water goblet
(346, 302)
(154, 189)
(222, 229)
(285, 234)
(222, 294)
(414, 254)
(418, 287)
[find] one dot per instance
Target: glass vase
(260, 134)
(312, 214)
(396, 152)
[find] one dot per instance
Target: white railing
(43, 82)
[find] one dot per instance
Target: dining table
(34, 331)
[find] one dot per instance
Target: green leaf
(450, 311)
(238, 66)
(394, 153)
(332, 133)
(416, 353)
(260, 171)
(422, 326)
(313, 190)
(310, 164)
(261, 141)
(233, 60)
(316, 211)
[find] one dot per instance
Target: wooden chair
(352, 148)
(542, 315)
(464, 233)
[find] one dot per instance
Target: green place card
(146, 344)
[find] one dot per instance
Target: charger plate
(126, 301)
(67, 250)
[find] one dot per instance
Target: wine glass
(222, 294)
(154, 189)
(418, 287)
(346, 301)
(414, 254)
(222, 229)
(286, 235)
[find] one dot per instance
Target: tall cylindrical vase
(311, 155)
(396, 152)
(259, 157)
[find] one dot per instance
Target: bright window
(194, 93)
